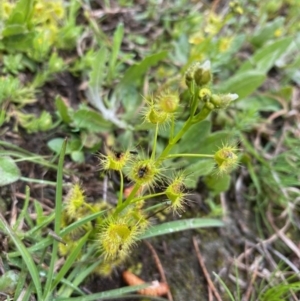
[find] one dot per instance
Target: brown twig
(250, 287)
(159, 267)
(210, 294)
(205, 272)
(281, 235)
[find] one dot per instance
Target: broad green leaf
(217, 183)
(259, 103)
(98, 72)
(63, 110)
(243, 84)
(8, 282)
(214, 141)
(180, 225)
(265, 32)
(194, 137)
(77, 156)
(9, 171)
(198, 169)
(14, 30)
(137, 71)
(21, 42)
(21, 13)
(264, 59)
(90, 120)
(56, 145)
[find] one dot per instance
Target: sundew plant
(116, 232)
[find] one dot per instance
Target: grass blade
(70, 260)
(108, 295)
(32, 268)
(180, 225)
(57, 221)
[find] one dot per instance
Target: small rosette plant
(118, 231)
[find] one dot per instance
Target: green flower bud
(199, 73)
(205, 94)
(202, 75)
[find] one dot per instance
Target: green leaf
(243, 84)
(264, 59)
(62, 110)
(21, 13)
(98, 72)
(137, 71)
(217, 183)
(9, 171)
(77, 156)
(118, 36)
(13, 30)
(265, 32)
(194, 137)
(90, 120)
(8, 282)
(198, 169)
(21, 42)
(180, 225)
(259, 103)
(56, 145)
(214, 141)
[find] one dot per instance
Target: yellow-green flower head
(75, 201)
(116, 237)
(175, 193)
(114, 160)
(168, 101)
(199, 73)
(226, 159)
(144, 172)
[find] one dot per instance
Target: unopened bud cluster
(198, 77)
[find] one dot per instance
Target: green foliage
(9, 172)
(246, 43)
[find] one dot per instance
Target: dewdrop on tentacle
(116, 237)
(144, 172)
(114, 160)
(168, 101)
(75, 201)
(226, 159)
(175, 192)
